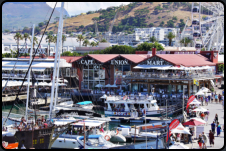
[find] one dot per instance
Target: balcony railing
(162, 75)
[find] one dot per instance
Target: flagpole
(29, 72)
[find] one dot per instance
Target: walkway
(214, 109)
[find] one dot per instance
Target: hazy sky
(75, 8)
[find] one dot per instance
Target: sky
(75, 8)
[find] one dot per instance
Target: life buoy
(117, 132)
(107, 138)
(144, 111)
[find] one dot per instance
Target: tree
(170, 36)
(103, 40)
(37, 30)
(185, 41)
(152, 39)
(26, 36)
(51, 32)
(80, 38)
(93, 44)
(64, 38)
(35, 41)
(86, 43)
(55, 41)
(18, 37)
(67, 53)
(170, 24)
(151, 25)
(49, 39)
(41, 24)
(148, 46)
(6, 30)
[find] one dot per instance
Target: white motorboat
(95, 142)
(124, 107)
(84, 105)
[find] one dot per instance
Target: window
(67, 72)
(41, 140)
(34, 141)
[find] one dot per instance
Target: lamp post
(183, 102)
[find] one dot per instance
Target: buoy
(106, 137)
(144, 111)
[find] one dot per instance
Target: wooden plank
(12, 98)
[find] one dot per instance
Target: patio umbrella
(180, 129)
(195, 101)
(108, 86)
(193, 122)
(204, 89)
(114, 86)
(200, 109)
(200, 93)
(198, 119)
(99, 86)
(104, 96)
(178, 146)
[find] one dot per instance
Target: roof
(134, 58)
(103, 57)
(187, 60)
(68, 59)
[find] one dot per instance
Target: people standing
(206, 101)
(216, 118)
(219, 97)
(200, 141)
(211, 137)
(218, 129)
(209, 98)
(216, 97)
(202, 100)
(213, 126)
(190, 136)
(206, 118)
(204, 138)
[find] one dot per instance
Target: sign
(119, 62)
(172, 126)
(190, 99)
(196, 82)
(39, 50)
(86, 62)
(155, 61)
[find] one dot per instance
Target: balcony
(166, 75)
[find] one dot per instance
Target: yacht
(132, 107)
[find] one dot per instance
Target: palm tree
(97, 43)
(152, 39)
(185, 41)
(103, 40)
(64, 38)
(35, 41)
(26, 36)
(55, 41)
(93, 44)
(18, 37)
(80, 38)
(49, 39)
(170, 36)
(85, 43)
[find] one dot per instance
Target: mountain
(65, 11)
(135, 14)
(24, 14)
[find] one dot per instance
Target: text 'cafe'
(94, 69)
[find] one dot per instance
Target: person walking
(209, 97)
(206, 118)
(213, 126)
(218, 129)
(206, 99)
(202, 100)
(212, 99)
(216, 97)
(204, 137)
(211, 137)
(219, 96)
(190, 136)
(216, 118)
(200, 141)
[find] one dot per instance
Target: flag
(196, 82)
(33, 78)
(190, 99)
(172, 126)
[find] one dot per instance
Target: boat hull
(128, 114)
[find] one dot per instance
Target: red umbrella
(193, 122)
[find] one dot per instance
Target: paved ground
(214, 109)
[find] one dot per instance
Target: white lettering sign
(155, 63)
(87, 62)
(119, 62)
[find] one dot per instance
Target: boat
(95, 142)
(84, 105)
(7, 145)
(70, 136)
(126, 107)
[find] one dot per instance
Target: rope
(17, 99)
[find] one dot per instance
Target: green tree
(26, 36)
(86, 43)
(37, 30)
(35, 41)
(80, 38)
(185, 41)
(93, 44)
(49, 39)
(148, 46)
(6, 30)
(51, 32)
(18, 37)
(151, 25)
(170, 24)
(67, 53)
(41, 24)
(170, 36)
(64, 38)
(152, 39)
(55, 41)
(103, 40)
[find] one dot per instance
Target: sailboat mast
(58, 58)
(55, 61)
(29, 73)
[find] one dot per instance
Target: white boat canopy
(89, 123)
